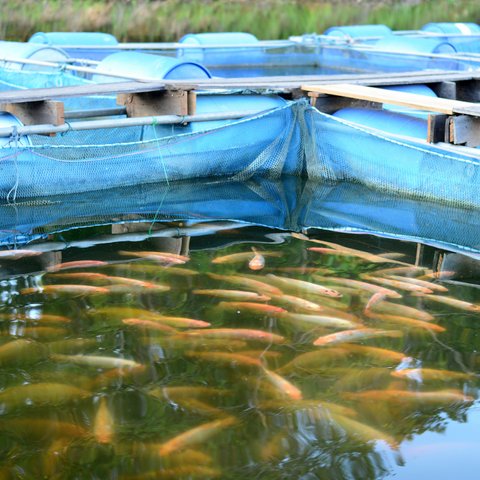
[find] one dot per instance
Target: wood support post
(168, 102)
(37, 113)
(436, 128)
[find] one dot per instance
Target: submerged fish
(160, 327)
(77, 264)
(439, 275)
(234, 295)
(283, 385)
(38, 394)
(363, 432)
(315, 361)
(252, 308)
(197, 393)
(375, 353)
(407, 322)
(422, 283)
(248, 283)
(399, 270)
(138, 283)
(452, 302)
(243, 256)
(315, 321)
(367, 287)
(388, 308)
(376, 297)
(430, 374)
(313, 406)
(301, 285)
(79, 276)
(42, 318)
(196, 435)
(64, 289)
(300, 270)
(116, 376)
(161, 257)
(184, 471)
(355, 336)
(40, 429)
(257, 262)
(16, 254)
(235, 360)
(158, 269)
(96, 361)
(103, 424)
(396, 284)
(236, 334)
(70, 345)
(19, 351)
(297, 303)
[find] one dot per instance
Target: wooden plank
(436, 128)
(392, 97)
(287, 83)
(37, 113)
(146, 104)
(466, 131)
(333, 104)
(192, 103)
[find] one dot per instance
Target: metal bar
(75, 68)
(127, 122)
(96, 112)
(174, 46)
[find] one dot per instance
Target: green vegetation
(168, 20)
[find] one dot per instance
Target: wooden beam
(466, 131)
(37, 113)
(329, 104)
(436, 128)
(146, 104)
(392, 97)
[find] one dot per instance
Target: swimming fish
(138, 283)
(249, 283)
(315, 361)
(422, 283)
(160, 327)
(160, 257)
(319, 321)
(184, 471)
(64, 289)
(389, 308)
(284, 386)
(301, 285)
(297, 303)
(430, 374)
(243, 256)
(236, 334)
(103, 424)
(407, 322)
(234, 295)
(96, 361)
(77, 264)
(198, 393)
(452, 302)
(379, 354)
(252, 308)
(196, 435)
(257, 262)
(16, 254)
(235, 360)
(313, 406)
(355, 335)
(367, 287)
(19, 351)
(41, 318)
(375, 298)
(396, 284)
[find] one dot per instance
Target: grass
(168, 20)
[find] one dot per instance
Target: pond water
(105, 377)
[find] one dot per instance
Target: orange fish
(248, 307)
(301, 285)
(427, 374)
(230, 359)
(257, 262)
(247, 283)
(137, 322)
(234, 295)
(79, 276)
(399, 270)
(409, 322)
(421, 283)
(355, 336)
(103, 425)
(376, 297)
(368, 287)
(388, 308)
(41, 318)
(64, 289)
(241, 257)
(409, 287)
(160, 257)
(139, 283)
(196, 435)
(236, 334)
(439, 275)
(314, 361)
(16, 254)
(297, 303)
(452, 302)
(376, 353)
(313, 406)
(77, 264)
(284, 386)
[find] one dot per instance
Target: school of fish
(264, 343)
